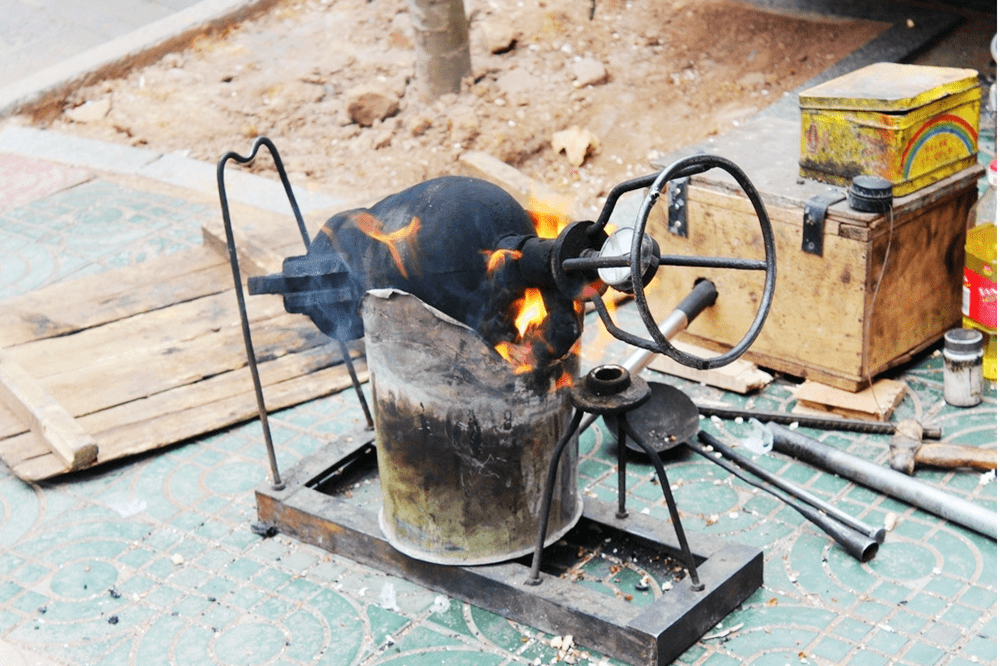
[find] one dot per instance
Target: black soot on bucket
(464, 439)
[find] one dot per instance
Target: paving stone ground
(152, 561)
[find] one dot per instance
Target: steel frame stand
(308, 509)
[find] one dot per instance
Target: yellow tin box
(911, 124)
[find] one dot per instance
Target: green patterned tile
(217, 616)
(191, 606)
(982, 648)
(248, 643)
(497, 629)
(927, 605)
(978, 597)
(452, 618)
(851, 629)
(273, 608)
(924, 654)
(888, 642)
(832, 650)
(192, 646)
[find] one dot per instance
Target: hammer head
(904, 445)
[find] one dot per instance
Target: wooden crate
(831, 320)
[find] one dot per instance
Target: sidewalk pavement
(152, 561)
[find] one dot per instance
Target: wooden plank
(45, 417)
(94, 300)
(117, 341)
(874, 404)
(189, 411)
(740, 376)
(144, 372)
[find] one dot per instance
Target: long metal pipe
(885, 480)
(859, 545)
(876, 533)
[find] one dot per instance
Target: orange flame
(496, 259)
(550, 216)
(531, 312)
(372, 227)
(529, 315)
(564, 381)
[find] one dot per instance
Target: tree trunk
(442, 45)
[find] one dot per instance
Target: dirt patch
(641, 77)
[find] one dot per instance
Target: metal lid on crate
(887, 86)
(870, 194)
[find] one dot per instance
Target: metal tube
(876, 533)
(357, 384)
(858, 545)
(534, 577)
(884, 480)
(675, 517)
(703, 295)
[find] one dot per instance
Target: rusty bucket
(463, 443)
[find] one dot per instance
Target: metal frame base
(655, 634)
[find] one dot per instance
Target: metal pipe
(858, 545)
(357, 384)
(811, 421)
(625, 428)
(884, 480)
(876, 533)
(701, 296)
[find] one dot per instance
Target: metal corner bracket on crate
(654, 634)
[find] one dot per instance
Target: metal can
(463, 442)
(963, 367)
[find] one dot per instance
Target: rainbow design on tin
(947, 123)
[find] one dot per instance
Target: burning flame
(564, 381)
(531, 312)
(529, 315)
(549, 216)
(497, 258)
(372, 227)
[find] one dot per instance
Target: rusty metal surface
(643, 635)
(464, 443)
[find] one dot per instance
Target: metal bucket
(463, 443)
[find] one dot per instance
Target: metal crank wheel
(643, 260)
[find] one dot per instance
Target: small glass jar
(963, 367)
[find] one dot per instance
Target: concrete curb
(172, 168)
(47, 89)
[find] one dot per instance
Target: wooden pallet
(116, 364)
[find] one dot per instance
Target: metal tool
(667, 420)
(611, 390)
(875, 533)
(672, 419)
(812, 421)
(234, 262)
(884, 480)
(906, 451)
(856, 537)
(701, 296)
